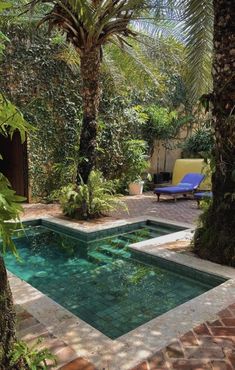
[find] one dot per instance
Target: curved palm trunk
(7, 317)
(216, 239)
(91, 92)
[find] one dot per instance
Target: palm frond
(156, 28)
(69, 55)
(198, 30)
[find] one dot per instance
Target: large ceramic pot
(136, 188)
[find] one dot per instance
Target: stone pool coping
(130, 349)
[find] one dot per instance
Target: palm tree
(89, 25)
(215, 239)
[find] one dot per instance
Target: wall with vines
(47, 92)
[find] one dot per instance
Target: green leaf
(198, 28)
(4, 5)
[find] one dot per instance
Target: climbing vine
(46, 91)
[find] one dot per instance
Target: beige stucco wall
(171, 155)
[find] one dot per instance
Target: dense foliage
(91, 200)
(11, 119)
(46, 91)
(41, 76)
(199, 143)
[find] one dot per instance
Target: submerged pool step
(132, 238)
(99, 257)
(115, 252)
(161, 230)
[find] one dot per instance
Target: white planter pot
(136, 188)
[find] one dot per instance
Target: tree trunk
(91, 92)
(215, 240)
(7, 317)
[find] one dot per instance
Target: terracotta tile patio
(209, 346)
(183, 210)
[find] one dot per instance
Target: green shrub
(21, 356)
(135, 166)
(90, 200)
(199, 144)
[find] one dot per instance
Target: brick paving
(31, 331)
(183, 210)
(209, 346)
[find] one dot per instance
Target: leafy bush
(135, 161)
(160, 125)
(10, 209)
(89, 200)
(200, 143)
(11, 120)
(30, 358)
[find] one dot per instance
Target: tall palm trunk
(216, 239)
(7, 317)
(91, 92)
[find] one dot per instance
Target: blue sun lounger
(188, 185)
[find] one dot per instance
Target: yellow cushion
(184, 166)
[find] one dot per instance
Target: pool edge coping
(129, 349)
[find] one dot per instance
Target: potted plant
(136, 166)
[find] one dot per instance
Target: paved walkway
(210, 346)
(183, 210)
(31, 331)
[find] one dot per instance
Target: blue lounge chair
(188, 185)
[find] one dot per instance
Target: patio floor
(183, 210)
(209, 346)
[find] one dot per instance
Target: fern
(90, 200)
(32, 358)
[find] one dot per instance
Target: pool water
(101, 280)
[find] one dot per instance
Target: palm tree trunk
(215, 240)
(7, 317)
(91, 92)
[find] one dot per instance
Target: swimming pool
(96, 277)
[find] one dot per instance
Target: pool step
(161, 230)
(118, 242)
(99, 257)
(115, 252)
(131, 238)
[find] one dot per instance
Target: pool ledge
(137, 345)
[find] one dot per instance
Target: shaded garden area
(100, 103)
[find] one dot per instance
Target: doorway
(14, 164)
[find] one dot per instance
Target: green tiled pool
(99, 279)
